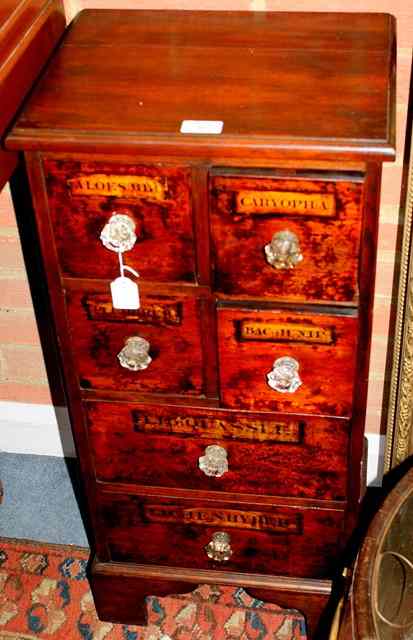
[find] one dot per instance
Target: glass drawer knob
(284, 376)
(214, 462)
(283, 252)
(118, 234)
(135, 354)
(219, 549)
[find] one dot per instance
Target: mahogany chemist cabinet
(219, 422)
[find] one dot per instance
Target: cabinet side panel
(59, 320)
(367, 272)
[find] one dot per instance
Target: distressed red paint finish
(175, 349)
(164, 249)
(327, 371)
(126, 450)
(329, 239)
(264, 539)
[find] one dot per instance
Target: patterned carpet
(44, 594)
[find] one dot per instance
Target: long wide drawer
(156, 227)
(265, 539)
(155, 349)
(215, 450)
(287, 361)
(288, 237)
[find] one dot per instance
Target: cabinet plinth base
(119, 591)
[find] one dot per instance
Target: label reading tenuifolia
(202, 126)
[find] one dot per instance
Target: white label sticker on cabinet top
(202, 126)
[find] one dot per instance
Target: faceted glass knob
(214, 463)
(283, 252)
(135, 354)
(119, 233)
(284, 375)
(219, 549)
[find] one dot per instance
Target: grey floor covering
(39, 501)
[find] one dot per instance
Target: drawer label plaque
(99, 307)
(100, 184)
(247, 429)
(270, 331)
(256, 520)
(286, 202)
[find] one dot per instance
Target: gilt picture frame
(399, 435)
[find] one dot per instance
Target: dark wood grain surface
(266, 540)
(29, 30)
(110, 90)
(175, 346)
(327, 371)
(267, 454)
(308, 108)
(129, 583)
(328, 237)
(164, 250)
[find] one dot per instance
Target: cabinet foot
(121, 597)
(120, 590)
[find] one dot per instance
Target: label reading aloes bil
(125, 293)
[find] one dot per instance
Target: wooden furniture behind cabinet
(220, 425)
(29, 30)
(379, 604)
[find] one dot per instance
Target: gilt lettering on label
(286, 202)
(256, 520)
(285, 332)
(243, 429)
(100, 307)
(100, 184)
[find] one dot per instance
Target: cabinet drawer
(265, 454)
(265, 539)
(285, 361)
(290, 238)
(156, 349)
(83, 196)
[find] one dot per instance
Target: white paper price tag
(202, 126)
(125, 293)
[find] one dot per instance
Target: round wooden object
(381, 602)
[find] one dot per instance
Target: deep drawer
(157, 349)
(284, 361)
(262, 454)
(262, 539)
(290, 238)
(83, 196)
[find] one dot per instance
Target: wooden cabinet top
(319, 85)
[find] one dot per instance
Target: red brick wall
(22, 372)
